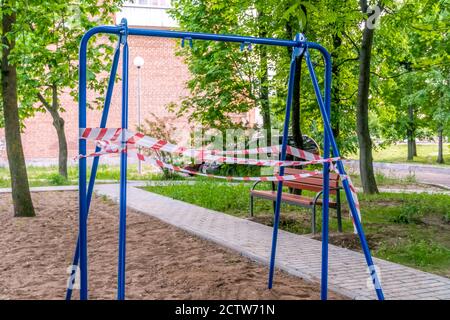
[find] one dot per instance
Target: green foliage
(45, 176)
(395, 153)
(223, 77)
(410, 213)
(412, 59)
(47, 35)
(421, 253)
(239, 170)
(56, 179)
(410, 65)
(226, 81)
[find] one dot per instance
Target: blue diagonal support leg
(329, 133)
(90, 189)
(295, 53)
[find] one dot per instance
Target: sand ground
(162, 262)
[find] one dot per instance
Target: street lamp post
(139, 62)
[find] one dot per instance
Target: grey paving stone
(296, 254)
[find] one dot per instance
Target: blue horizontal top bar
(211, 37)
(200, 36)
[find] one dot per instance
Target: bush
(409, 213)
(239, 170)
(56, 179)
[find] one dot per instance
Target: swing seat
(314, 184)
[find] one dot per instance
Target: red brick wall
(163, 81)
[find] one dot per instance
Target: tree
(368, 181)
(411, 58)
(363, 97)
(224, 79)
(263, 74)
(296, 21)
(22, 203)
(245, 76)
(49, 33)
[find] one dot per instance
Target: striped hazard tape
(131, 138)
(161, 164)
(109, 139)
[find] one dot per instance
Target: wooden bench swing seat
(314, 184)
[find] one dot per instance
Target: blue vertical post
(295, 52)
(340, 166)
(326, 185)
(90, 189)
(82, 222)
(123, 170)
(103, 120)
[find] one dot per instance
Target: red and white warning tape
(354, 196)
(110, 138)
(265, 163)
(172, 167)
(139, 139)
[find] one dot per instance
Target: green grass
(411, 229)
(397, 153)
(48, 176)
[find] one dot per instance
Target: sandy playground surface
(162, 262)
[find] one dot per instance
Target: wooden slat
(289, 198)
(310, 181)
(333, 176)
(309, 187)
(313, 183)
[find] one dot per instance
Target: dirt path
(163, 262)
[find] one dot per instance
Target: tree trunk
(362, 110)
(335, 90)
(22, 203)
(410, 143)
(295, 107)
(296, 112)
(410, 133)
(264, 81)
(58, 123)
(414, 146)
(440, 158)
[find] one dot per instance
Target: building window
(148, 3)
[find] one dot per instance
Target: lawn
(397, 153)
(48, 176)
(411, 229)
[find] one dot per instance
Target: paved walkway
(42, 189)
(296, 254)
(430, 174)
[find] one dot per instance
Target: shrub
(409, 213)
(56, 179)
(239, 170)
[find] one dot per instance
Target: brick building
(163, 78)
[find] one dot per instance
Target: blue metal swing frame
(300, 46)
